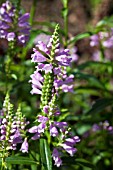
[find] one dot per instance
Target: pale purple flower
(69, 149)
(37, 79)
(47, 68)
(57, 70)
(58, 83)
(43, 47)
(22, 39)
(41, 127)
(2, 137)
(56, 157)
(53, 131)
(66, 88)
(61, 124)
(36, 82)
(33, 129)
(24, 147)
(63, 58)
(73, 53)
(103, 35)
(69, 79)
(108, 43)
(110, 129)
(23, 19)
(72, 141)
(96, 56)
(35, 90)
(6, 17)
(3, 33)
(46, 109)
(94, 40)
(36, 136)
(42, 119)
(11, 36)
(17, 137)
(38, 57)
(25, 31)
(38, 130)
(95, 127)
(3, 25)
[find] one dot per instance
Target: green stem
(102, 56)
(32, 12)
(66, 30)
(65, 16)
(8, 62)
(3, 167)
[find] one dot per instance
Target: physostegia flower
(48, 80)
(13, 25)
(12, 129)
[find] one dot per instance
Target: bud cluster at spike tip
(49, 78)
(13, 27)
(12, 128)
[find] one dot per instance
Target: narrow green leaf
(84, 163)
(90, 78)
(94, 64)
(79, 37)
(100, 105)
(45, 154)
(20, 160)
(46, 24)
(0, 161)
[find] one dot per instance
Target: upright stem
(65, 16)
(32, 12)
(8, 62)
(102, 56)
(66, 29)
(3, 167)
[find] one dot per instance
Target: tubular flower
(24, 147)
(56, 157)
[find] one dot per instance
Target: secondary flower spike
(12, 128)
(13, 26)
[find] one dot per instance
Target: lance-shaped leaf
(79, 37)
(100, 105)
(19, 160)
(45, 154)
